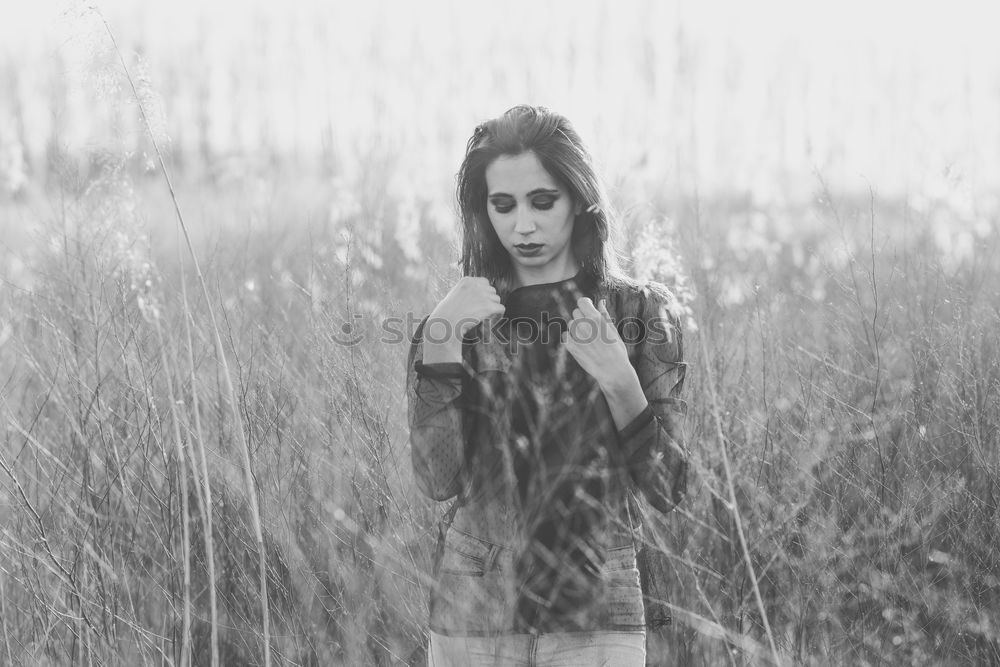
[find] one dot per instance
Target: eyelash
(543, 205)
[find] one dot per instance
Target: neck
(524, 276)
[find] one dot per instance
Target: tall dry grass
(856, 376)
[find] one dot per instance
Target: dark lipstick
(527, 249)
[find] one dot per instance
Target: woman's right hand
(472, 300)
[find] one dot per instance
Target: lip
(529, 248)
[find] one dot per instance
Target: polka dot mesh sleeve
(434, 409)
(653, 445)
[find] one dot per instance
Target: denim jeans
(556, 649)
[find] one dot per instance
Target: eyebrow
(536, 191)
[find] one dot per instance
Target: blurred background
(818, 182)
(715, 95)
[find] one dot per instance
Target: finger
(588, 308)
(603, 307)
(584, 330)
(577, 314)
(491, 316)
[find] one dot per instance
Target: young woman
(542, 395)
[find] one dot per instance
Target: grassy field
(166, 440)
(854, 363)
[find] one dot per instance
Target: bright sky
(917, 26)
(867, 89)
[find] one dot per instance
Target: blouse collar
(581, 280)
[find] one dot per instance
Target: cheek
(568, 219)
(501, 227)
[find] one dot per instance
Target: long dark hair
(562, 153)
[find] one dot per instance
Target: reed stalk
(250, 485)
(182, 479)
(733, 506)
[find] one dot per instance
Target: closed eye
(502, 204)
(506, 204)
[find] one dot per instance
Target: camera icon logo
(349, 334)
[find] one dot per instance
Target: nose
(525, 221)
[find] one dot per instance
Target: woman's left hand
(594, 342)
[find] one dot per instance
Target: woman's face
(533, 217)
